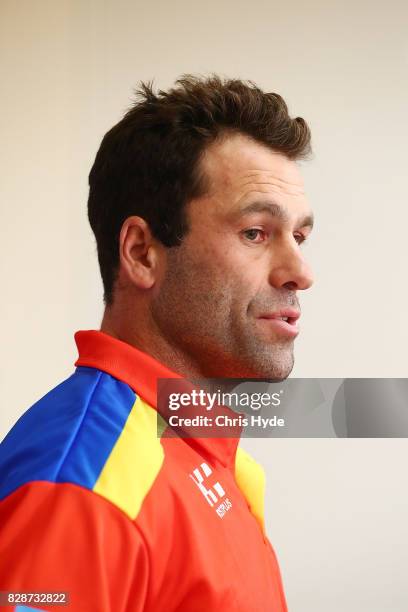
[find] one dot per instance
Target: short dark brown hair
(148, 163)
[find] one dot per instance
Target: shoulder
(87, 431)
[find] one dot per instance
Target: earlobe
(137, 255)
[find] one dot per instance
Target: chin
(273, 371)
(278, 367)
(257, 362)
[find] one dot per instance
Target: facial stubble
(212, 324)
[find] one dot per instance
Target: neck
(145, 336)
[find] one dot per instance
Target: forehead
(239, 171)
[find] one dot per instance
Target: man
(199, 213)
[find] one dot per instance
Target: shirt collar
(140, 371)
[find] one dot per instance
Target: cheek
(192, 279)
(216, 275)
(246, 271)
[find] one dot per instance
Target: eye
(254, 234)
(300, 238)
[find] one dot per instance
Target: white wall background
(336, 508)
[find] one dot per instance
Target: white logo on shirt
(212, 494)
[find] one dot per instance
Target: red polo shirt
(95, 504)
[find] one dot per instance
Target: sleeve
(60, 537)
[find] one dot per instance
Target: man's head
(198, 209)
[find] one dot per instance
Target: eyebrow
(275, 210)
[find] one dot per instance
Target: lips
(282, 321)
(288, 314)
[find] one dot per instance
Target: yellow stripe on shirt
(134, 462)
(250, 478)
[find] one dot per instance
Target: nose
(289, 269)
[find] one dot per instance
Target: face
(228, 300)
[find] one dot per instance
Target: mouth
(283, 322)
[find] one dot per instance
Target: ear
(138, 253)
